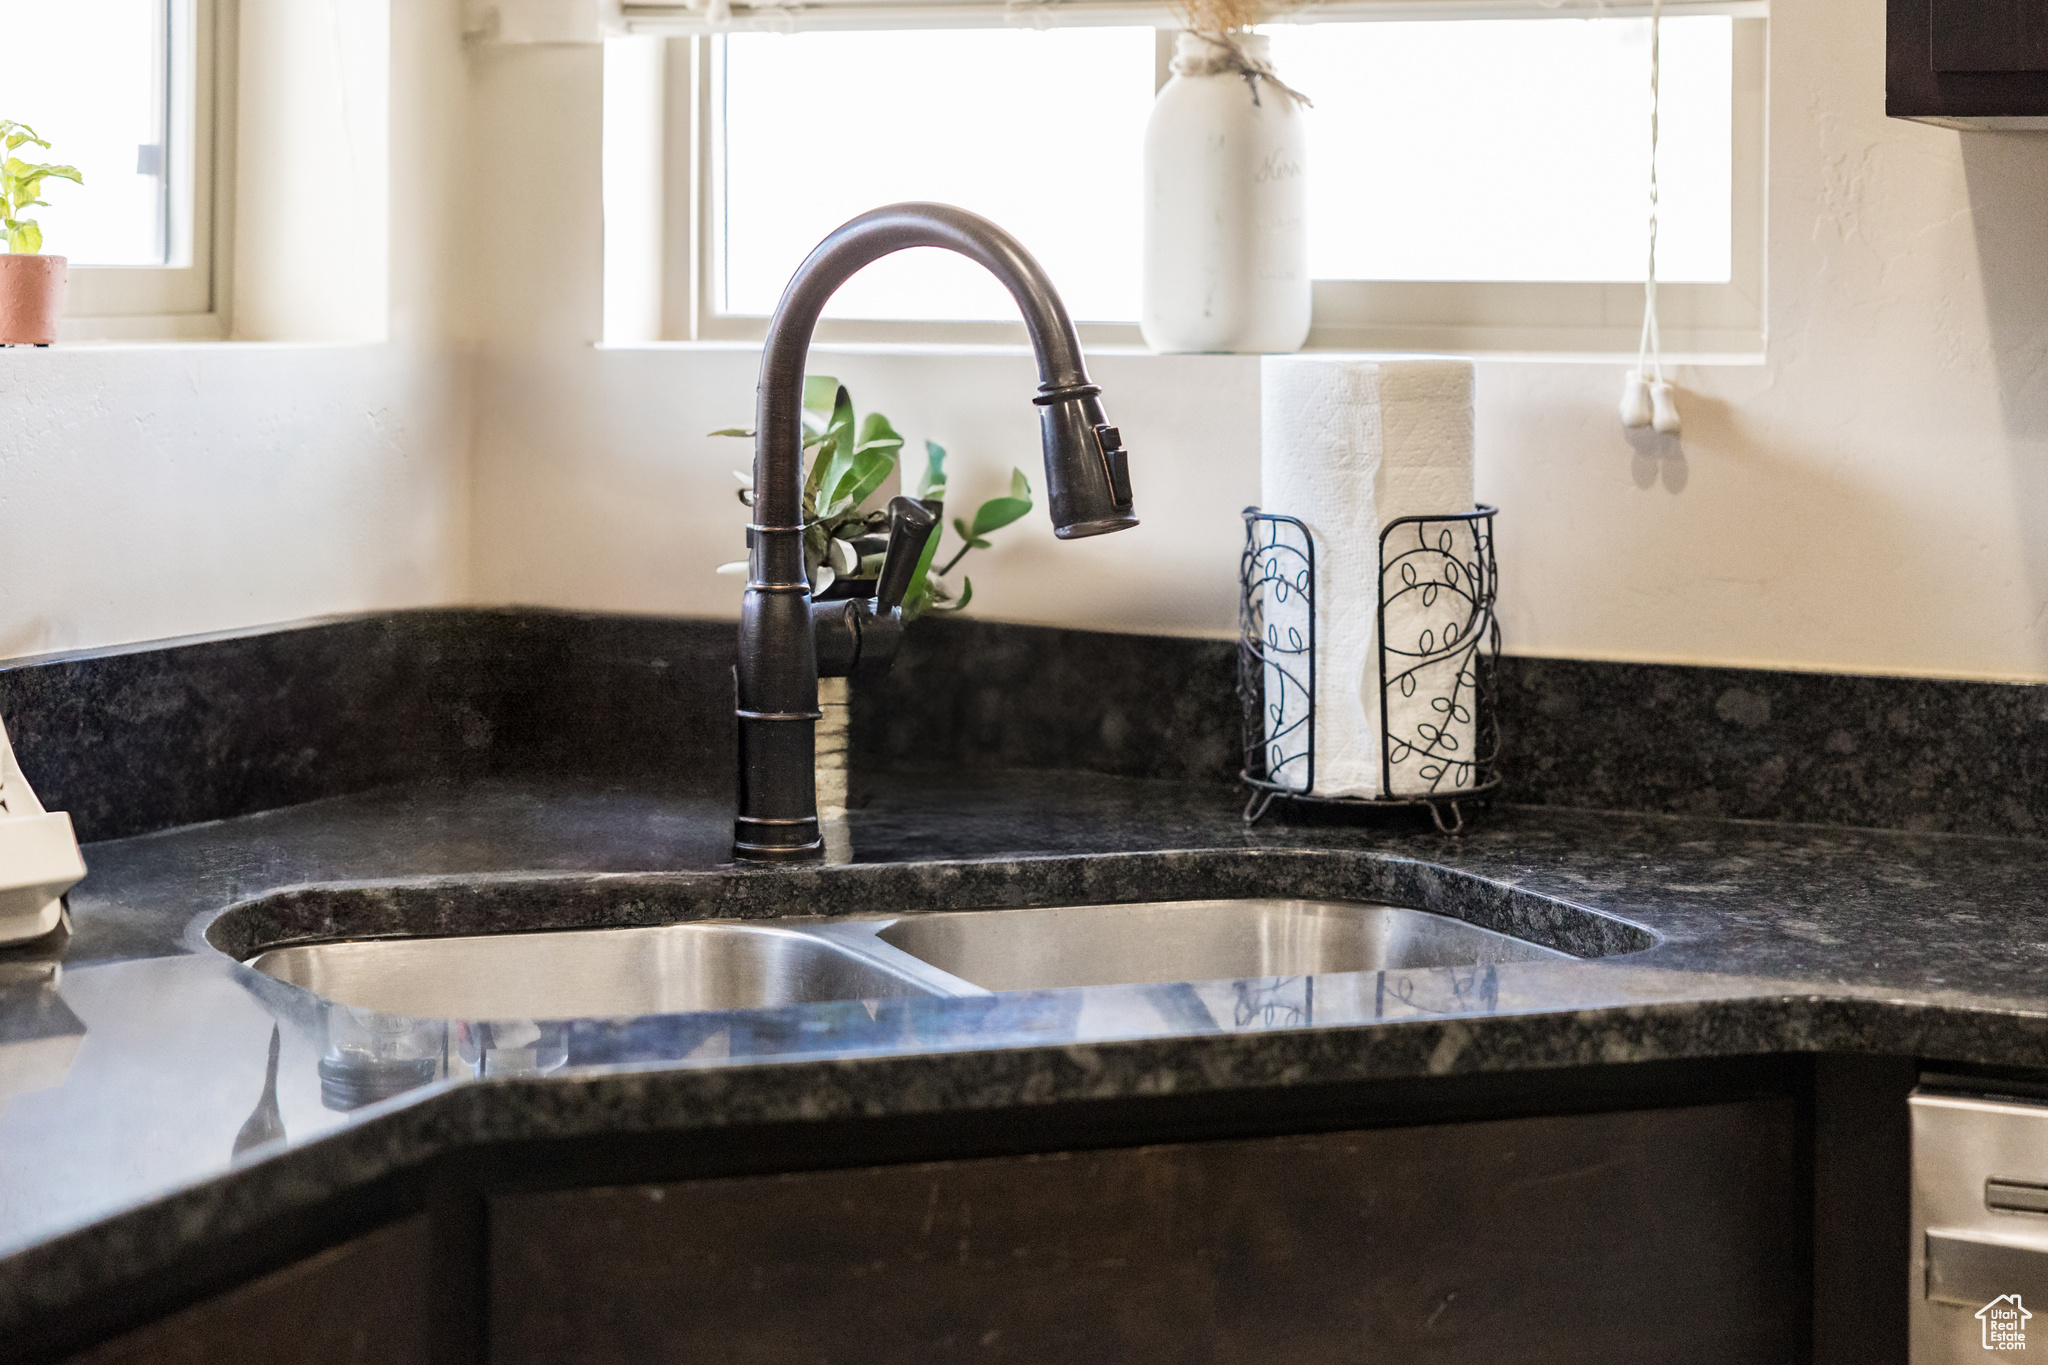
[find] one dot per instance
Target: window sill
(119, 330)
(935, 350)
(142, 346)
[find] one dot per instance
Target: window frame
(1553, 320)
(185, 299)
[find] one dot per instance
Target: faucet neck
(778, 458)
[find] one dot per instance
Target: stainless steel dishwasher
(1980, 1221)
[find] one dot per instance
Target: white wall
(1874, 497)
(157, 490)
(312, 234)
(194, 488)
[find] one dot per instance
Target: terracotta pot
(31, 299)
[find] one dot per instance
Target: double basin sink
(724, 965)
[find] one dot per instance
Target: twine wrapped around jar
(1227, 57)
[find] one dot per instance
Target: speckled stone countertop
(135, 1074)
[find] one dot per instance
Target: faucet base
(754, 853)
(759, 840)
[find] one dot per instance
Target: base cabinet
(365, 1302)
(1666, 1234)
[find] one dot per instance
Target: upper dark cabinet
(1968, 63)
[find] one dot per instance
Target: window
(1513, 149)
(122, 90)
(1065, 177)
(1476, 183)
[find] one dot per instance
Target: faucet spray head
(1087, 470)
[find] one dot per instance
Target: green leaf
(997, 513)
(932, 483)
(865, 470)
(816, 538)
(25, 239)
(733, 431)
(876, 432)
(960, 525)
(866, 473)
(966, 596)
(821, 393)
(841, 425)
(829, 467)
(919, 595)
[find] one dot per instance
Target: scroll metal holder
(1424, 556)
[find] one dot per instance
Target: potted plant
(31, 284)
(844, 538)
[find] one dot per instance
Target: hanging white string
(1651, 346)
(1646, 399)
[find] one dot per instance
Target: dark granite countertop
(130, 1076)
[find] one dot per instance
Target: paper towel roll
(1348, 446)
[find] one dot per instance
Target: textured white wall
(179, 489)
(1874, 497)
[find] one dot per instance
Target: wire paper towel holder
(1279, 561)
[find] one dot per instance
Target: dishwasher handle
(1972, 1271)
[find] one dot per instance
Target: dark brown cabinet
(1704, 1211)
(1968, 63)
(365, 1302)
(1666, 1234)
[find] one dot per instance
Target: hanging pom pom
(1664, 409)
(1635, 400)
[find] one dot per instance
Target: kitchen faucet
(786, 640)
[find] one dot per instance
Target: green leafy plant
(21, 187)
(849, 460)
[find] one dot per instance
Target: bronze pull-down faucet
(1088, 492)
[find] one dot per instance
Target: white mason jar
(1226, 212)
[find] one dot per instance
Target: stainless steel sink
(1102, 945)
(724, 965)
(585, 973)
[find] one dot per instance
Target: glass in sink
(1104, 945)
(590, 973)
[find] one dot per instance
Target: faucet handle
(911, 528)
(1118, 461)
